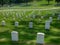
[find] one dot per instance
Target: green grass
(28, 36)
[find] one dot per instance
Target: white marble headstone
(30, 24)
(50, 19)
(47, 25)
(16, 24)
(58, 17)
(40, 38)
(3, 23)
(14, 35)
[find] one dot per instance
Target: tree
(57, 1)
(1, 2)
(48, 1)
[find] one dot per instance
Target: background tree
(57, 1)
(49, 1)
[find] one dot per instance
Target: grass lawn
(28, 36)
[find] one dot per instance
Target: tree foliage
(57, 1)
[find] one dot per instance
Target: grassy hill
(28, 36)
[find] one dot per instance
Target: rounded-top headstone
(16, 24)
(47, 25)
(30, 24)
(40, 38)
(14, 35)
(3, 23)
(14, 32)
(40, 33)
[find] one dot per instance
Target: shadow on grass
(5, 34)
(9, 43)
(14, 43)
(45, 4)
(55, 40)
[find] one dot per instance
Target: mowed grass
(28, 36)
(35, 4)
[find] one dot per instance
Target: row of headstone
(50, 18)
(17, 15)
(47, 24)
(39, 40)
(4, 23)
(17, 24)
(33, 16)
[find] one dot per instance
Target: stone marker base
(39, 44)
(3, 25)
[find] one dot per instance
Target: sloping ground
(28, 36)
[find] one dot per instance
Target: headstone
(40, 38)
(3, 23)
(58, 17)
(30, 24)
(14, 35)
(16, 24)
(50, 19)
(47, 25)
